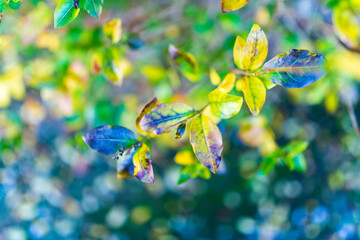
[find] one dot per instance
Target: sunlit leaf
(256, 49)
(228, 83)
(238, 52)
(148, 107)
(232, 5)
(165, 117)
(254, 92)
(214, 77)
(206, 140)
(65, 12)
(223, 105)
(143, 165)
(109, 139)
(112, 30)
(295, 69)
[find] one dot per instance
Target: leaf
(223, 105)
(96, 64)
(228, 83)
(269, 162)
(65, 12)
(256, 49)
(254, 92)
(206, 140)
(180, 130)
(238, 52)
(232, 5)
(109, 139)
(94, 7)
(165, 117)
(186, 63)
(143, 165)
(347, 23)
(298, 163)
(185, 157)
(295, 69)
(214, 77)
(112, 30)
(148, 107)
(193, 171)
(124, 165)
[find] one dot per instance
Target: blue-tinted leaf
(109, 139)
(124, 165)
(295, 69)
(165, 117)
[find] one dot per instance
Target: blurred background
(52, 186)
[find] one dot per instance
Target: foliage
(291, 172)
(294, 69)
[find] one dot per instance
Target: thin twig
(352, 115)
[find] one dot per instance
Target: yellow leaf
(232, 5)
(254, 92)
(112, 29)
(347, 23)
(256, 49)
(228, 83)
(223, 105)
(331, 102)
(214, 77)
(96, 64)
(5, 97)
(185, 157)
(147, 108)
(238, 52)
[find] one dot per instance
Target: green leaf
(254, 92)
(143, 165)
(165, 117)
(65, 12)
(2, 6)
(223, 105)
(295, 69)
(14, 4)
(206, 140)
(193, 171)
(94, 7)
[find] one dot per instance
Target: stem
(247, 73)
(353, 119)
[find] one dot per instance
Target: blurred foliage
(56, 84)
